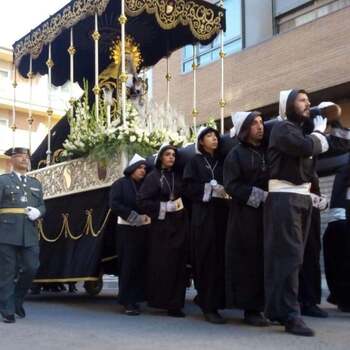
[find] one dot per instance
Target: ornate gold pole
(194, 70)
(71, 50)
(30, 111)
(14, 85)
(49, 64)
(123, 76)
(96, 36)
(168, 78)
(222, 101)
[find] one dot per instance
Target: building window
(4, 74)
(232, 39)
(296, 16)
(4, 123)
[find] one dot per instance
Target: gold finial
(122, 19)
(123, 77)
(194, 112)
(50, 63)
(13, 127)
(222, 54)
(96, 35)
(96, 90)
(222, 103)
(71, 50)
(168, 76)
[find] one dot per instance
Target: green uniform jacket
(17, 229)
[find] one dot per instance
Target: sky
(19, 17)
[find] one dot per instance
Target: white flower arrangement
(143, 133)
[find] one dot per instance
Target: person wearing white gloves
(245, 180)
(292, 158)
(203, 177)
(160, 197)
(21, 204)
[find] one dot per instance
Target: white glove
(265, 196)
(319, 202)
(170, 206)
(207, 192)
(135, 219)
(33, 213)
(219, 190)
(320, 124)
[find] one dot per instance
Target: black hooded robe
(336, 242)
(166, 275)
(287, 217)
(208, 231)
(131, 243)
(244, 168)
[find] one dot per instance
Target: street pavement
(73, 322)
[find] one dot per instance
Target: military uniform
(19, 243)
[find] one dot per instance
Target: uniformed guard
(21, 204)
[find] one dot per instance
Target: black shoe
(214, 317)
(8, 318)
(313, 311)
(344, 308)
(255, 318)
(331, 299)
(20, 312)
(176, 313)
(131, 310)
(297, 326)
(72, 288)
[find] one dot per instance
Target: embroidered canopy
(158, 26)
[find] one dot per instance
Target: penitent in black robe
(208, 232)
(245, 169)
(167, 256)
(131, 243)
(336, 241)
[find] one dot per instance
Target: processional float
(105, 46)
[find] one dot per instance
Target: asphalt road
(74, 322)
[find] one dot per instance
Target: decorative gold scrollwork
(203, 21)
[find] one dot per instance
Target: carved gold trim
(63, 179)
(34, 42)
(202, 20)
(169, 13)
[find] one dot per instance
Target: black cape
(208, 231)
(244, 168)
(166, 276)
(131, 243)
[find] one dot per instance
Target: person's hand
(170, 206)
(320, 124)
(219, 190)
(33, 213)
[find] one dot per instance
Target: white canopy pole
(49, 64)
(96, 36)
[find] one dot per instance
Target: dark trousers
(336, 247)
(18, 266)
(310, 274)
(287, 218)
